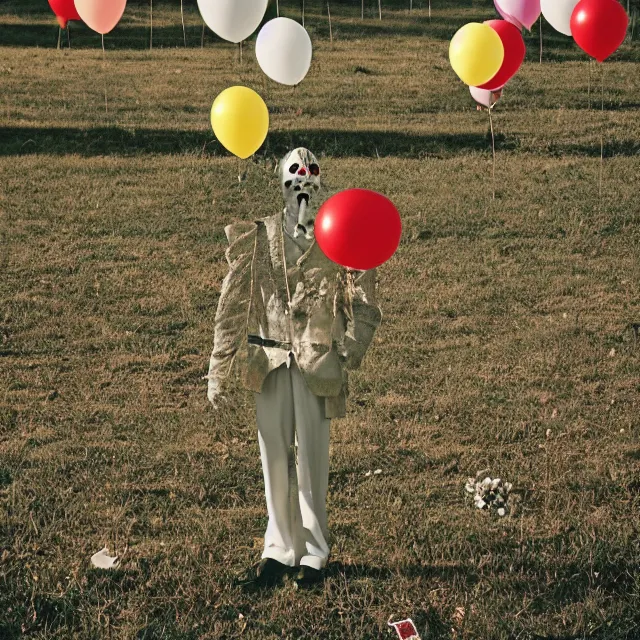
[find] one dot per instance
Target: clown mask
(300, 181)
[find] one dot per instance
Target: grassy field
(509, 338)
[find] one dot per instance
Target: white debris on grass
(102, 560)
(489, 493)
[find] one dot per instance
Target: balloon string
(330, 30)
(493, 149)
(104, 71)
(277, 8)
(601, 138)
(151, 34)
(589, 84)
(184, 33)
(540, 39)
(59, 34)
(202, 37)
(69, 34)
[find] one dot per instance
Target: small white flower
(377, 472)
(501, 511)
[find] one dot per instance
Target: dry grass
(501, 320)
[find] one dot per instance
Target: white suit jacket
(326, 314)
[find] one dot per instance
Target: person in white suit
(296, 322)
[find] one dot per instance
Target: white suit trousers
(296, 489)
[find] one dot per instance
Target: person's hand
(215, 395)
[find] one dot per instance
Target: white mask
(300, 180)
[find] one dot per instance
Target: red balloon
(358, 229)
(65, 10)
(599, 27)
(514, 52)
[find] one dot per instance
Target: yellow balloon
(476, 53)
(240, 120)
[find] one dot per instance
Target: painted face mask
(300, 181)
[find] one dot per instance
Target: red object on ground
(514, 52)
(65, 10)
(599, 27)
(358, 229)
(405, 629)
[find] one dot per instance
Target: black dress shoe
(267, 573)
(308, 576)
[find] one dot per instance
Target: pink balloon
(485, 97)
(520, 12)
(509, 18)
(101, 15)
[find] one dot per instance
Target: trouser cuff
(283, 557)
(315, 562)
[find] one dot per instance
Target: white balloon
(483, 96)
(558, 14)
(233, 20)
(283, 50)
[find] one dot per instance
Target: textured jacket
(326, 313)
